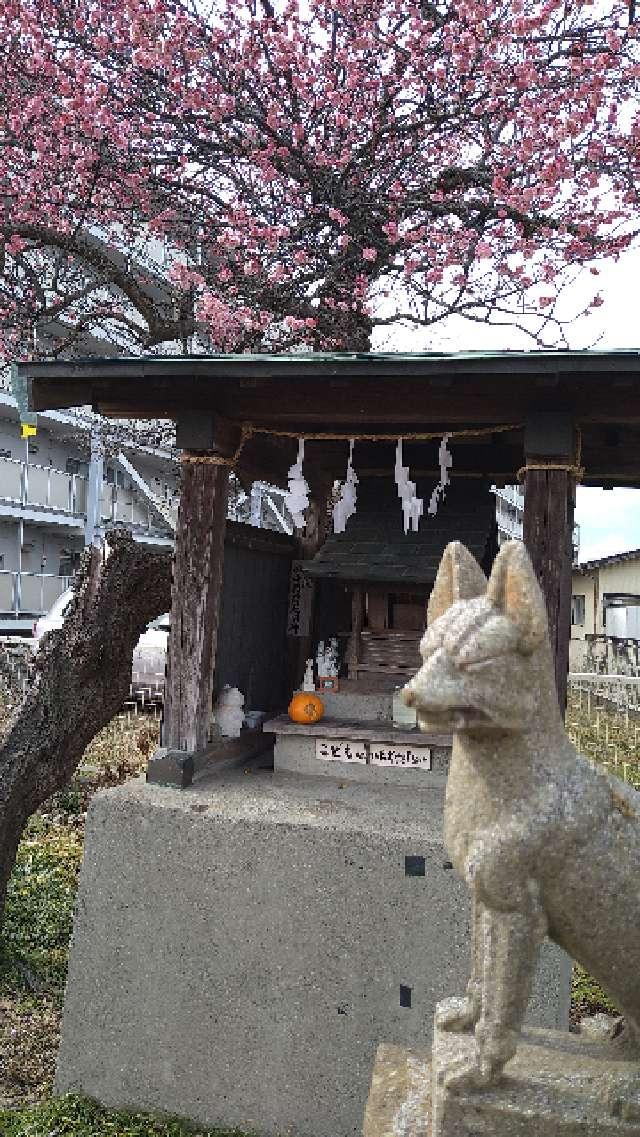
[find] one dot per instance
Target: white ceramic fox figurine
(546, 844)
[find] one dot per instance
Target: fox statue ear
(514, 590)
(459, 577)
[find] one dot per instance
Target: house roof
(601, 562)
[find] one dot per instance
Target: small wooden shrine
(276, 924)
(546, 419)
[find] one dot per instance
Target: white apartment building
(510, 517)
(57, 490)
(509, 513)
(62, 487)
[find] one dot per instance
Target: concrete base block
(557, 1085)
(241, 946)
(399, 1102)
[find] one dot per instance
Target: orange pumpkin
(306, 707)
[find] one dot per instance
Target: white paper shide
(412, 505)
(445, 458)
(345, 506)
(296, 498)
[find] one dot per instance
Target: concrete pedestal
(558, 1085)
(241, 947)
(295, 751)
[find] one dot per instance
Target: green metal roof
(46, 381)
(291, 359)
(352, 393)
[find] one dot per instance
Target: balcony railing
(29, 593)
(26, 484)
(125, 507)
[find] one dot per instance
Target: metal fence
(612, 655)
(29, 593)
(603, 721)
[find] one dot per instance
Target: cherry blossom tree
(257, 174)
(314, 170)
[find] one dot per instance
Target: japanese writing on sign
(341, 750)
(385, 754)
(373, 753)
(300, 593)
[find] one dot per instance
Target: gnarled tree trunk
(83, 673)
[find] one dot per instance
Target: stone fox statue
(546, 844)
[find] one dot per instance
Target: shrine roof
(374, 546)
(349, 395)
(129, 380)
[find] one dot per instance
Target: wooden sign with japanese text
(300, 601)
(373, 753)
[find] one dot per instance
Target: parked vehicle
(149, 656)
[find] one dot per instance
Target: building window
(115, 477)
(69, 562)
(77, 466)
(577, 611)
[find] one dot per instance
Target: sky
(609, 520)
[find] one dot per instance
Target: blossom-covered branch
(310, 168)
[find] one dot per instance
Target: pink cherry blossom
(298, 161)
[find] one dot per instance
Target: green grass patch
(587, 997)
(38, 917)
(34, 939)
(39, 911)
(72, 1116)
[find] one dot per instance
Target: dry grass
(39, 911)
(610, 739)
(607, 737)
(29, 1032)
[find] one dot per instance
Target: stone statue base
(558, 1085)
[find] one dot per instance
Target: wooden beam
(549, 500)
(195, 606)
(210, 432)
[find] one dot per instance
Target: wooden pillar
(549, 501)
(195, 606)
(195, 609)
(353, 651)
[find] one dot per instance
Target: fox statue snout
(546, 844)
